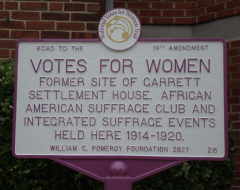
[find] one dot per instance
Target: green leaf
(179, 173)
(26, 171)
(39, 163)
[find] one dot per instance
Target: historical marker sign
(158, 99)
(162, 99)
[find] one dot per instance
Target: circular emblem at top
(119, 29)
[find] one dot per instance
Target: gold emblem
(119, 29)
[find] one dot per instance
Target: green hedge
(39, 174)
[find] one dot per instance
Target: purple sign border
(148, 160)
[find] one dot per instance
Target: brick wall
(180, 11)
(234, 101)
(68, 19)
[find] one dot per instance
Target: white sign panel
(160, 98)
